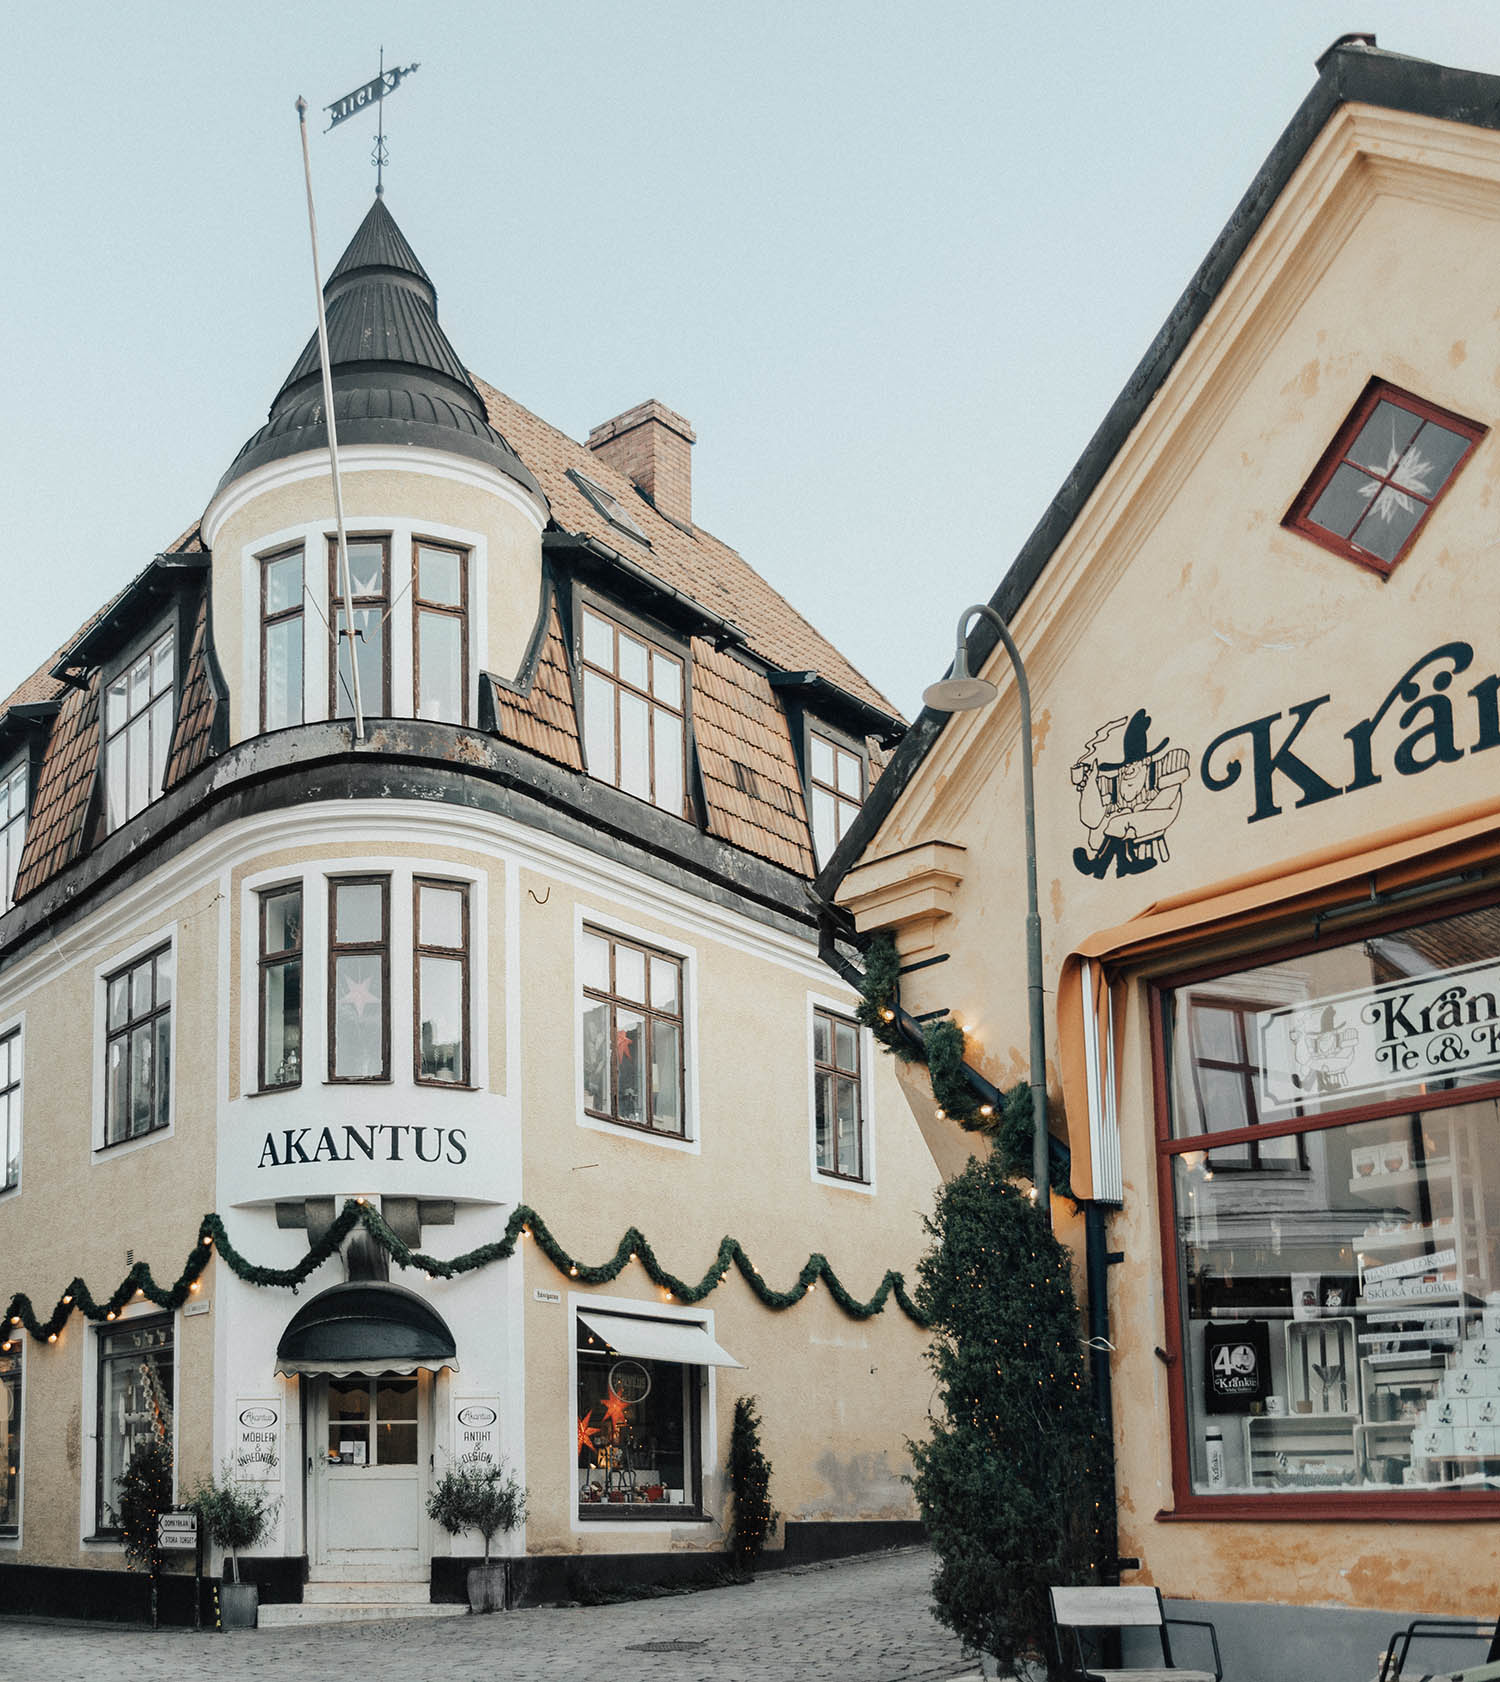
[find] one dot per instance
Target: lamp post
(959, 692)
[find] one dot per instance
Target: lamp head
(958, 692)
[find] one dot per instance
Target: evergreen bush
(145, 1493)
(1015, 1484)
(750, 1485)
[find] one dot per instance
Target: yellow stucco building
(1261, 642)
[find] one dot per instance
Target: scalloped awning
(366, 1327)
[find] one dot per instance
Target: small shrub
(477, 1495)
(233, 1515)
(750, 1484)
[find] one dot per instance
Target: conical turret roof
(396, 376)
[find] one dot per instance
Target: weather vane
(376, 89)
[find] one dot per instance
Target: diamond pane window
(1382, 476)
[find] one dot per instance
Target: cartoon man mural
(1127, 805)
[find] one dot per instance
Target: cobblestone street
(861, 1620)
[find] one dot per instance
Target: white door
(370, 1448)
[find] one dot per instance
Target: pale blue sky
(893, 262)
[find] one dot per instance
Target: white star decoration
(358, 997)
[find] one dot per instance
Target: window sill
(442, 1085)
(1414, 1506)
(613, 1121)
(359, 1080)
(640, 1512)
(856, 1182)
(133, 1139)
(105, 1539)
(273, 1091)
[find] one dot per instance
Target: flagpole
(345, 584)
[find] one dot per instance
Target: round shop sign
(257, 1419)
(477, 1418)
(630, 1381)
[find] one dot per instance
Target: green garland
(634, 1246)
(941, 1047)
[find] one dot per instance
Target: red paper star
(586, 1432)
(615, 1408)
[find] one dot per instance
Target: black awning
(365, 1327)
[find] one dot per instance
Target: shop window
(838, 1098)
(136, 1387)
(440, 635)
(139, 711)
(440, 965)
(634, 722)
(281, 987)
(638, 1427)
(633, 1044)
(1386, 470)
(837, 782)
(12, 829)
(10, 1109)
(281, 587)
(1338, 1292)
(10, 1443)
(359, 978)
(138, 1047)
(370, 594)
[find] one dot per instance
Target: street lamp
(959, 692)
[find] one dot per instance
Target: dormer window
(370, 592)
(837, 790)
(138, 718)
(634, 720)
(610, 506)
(12, 829)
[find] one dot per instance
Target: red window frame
(1298, 516)
(1449, 1506)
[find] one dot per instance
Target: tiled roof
(745, 754)
(699, 565)
(193, 741)
(54, 835)
(543, 720)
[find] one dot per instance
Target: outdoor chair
(1394, 1665)
(1094, 1611)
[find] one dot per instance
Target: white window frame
(708, 1474)
(400, 532)
(127, 955)
(836, 1182)
(608, 924)
(16, 1025)
(89, 1459)
(111, 673)
(8, 769)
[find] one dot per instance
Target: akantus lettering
(370, 1142)
(1434, 729)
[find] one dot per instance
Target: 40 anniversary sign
(1432, 1027)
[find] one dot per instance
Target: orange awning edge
(1390, 859)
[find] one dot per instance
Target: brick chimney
(651, 445)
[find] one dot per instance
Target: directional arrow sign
(176, 1530)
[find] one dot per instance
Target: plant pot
(487, 1585)
(238, 1605)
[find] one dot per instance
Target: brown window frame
(833, 1070)
(105, 1359)
(1188, 1505)
(270, 620)
(337, 949)
(419, 606)
(125, 1032)
(336, 607)
(1244, 1068)
(649, 1016)
(1298, 516)
(815, 786)
(421, 948)
(8, 1098)
(268, 961)
(655, 649)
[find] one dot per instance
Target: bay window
(1328, 1145)
(281, 987)
(370, 594)
(440, 981)
(440, 632)
(281, 589)
(359, 978)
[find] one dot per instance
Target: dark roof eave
(579, 551)
(161, 579)
(818, 690)
(1349, 74)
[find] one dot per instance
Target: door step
(354, 1611)
(322, 1592)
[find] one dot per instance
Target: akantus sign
(476, 1429)
(370, 1142)
(257, 1439)
(1402, 1033)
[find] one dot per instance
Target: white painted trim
(16, 1024)
(370, 458)
(708, 1418)
(845, 1009)
(689, 1141)
(101, 1153)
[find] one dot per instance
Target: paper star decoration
(615, 1409)
(359, 996)
(586, 1432)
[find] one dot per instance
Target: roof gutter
(584, 551)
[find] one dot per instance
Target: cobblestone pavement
(864, 1620)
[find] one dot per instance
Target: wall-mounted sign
(1399, 1034)
(257, 1439)
(288, 1147)
(542, 1294)
(476, 1429)
(1129, 795)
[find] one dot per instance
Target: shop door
(370, 1443)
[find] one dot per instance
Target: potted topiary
(234, 1515)
(480, 1495)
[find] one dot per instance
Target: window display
(1333, 1132)
(637, 1432)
